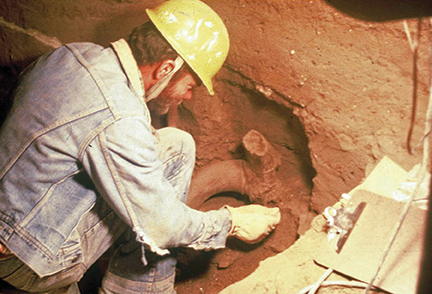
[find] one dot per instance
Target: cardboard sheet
(385, 178)
(366, 244)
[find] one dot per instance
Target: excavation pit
(250, 149)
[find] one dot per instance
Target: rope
(414, 48)
(321, 280)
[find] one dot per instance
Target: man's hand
(252, 223)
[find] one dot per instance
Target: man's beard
(157, 108)
(169, 97)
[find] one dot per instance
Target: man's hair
(149, 46)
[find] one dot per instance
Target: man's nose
(188, 95)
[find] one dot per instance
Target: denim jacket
(80, 129)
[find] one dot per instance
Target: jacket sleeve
(124, 165)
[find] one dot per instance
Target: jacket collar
(130, 66)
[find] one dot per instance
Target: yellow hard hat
(196, 32)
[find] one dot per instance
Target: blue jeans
(100, 228)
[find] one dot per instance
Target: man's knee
(175, 140)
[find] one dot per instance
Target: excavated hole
(218, 124)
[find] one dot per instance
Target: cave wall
(332, 93)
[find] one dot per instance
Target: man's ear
(164, 69)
